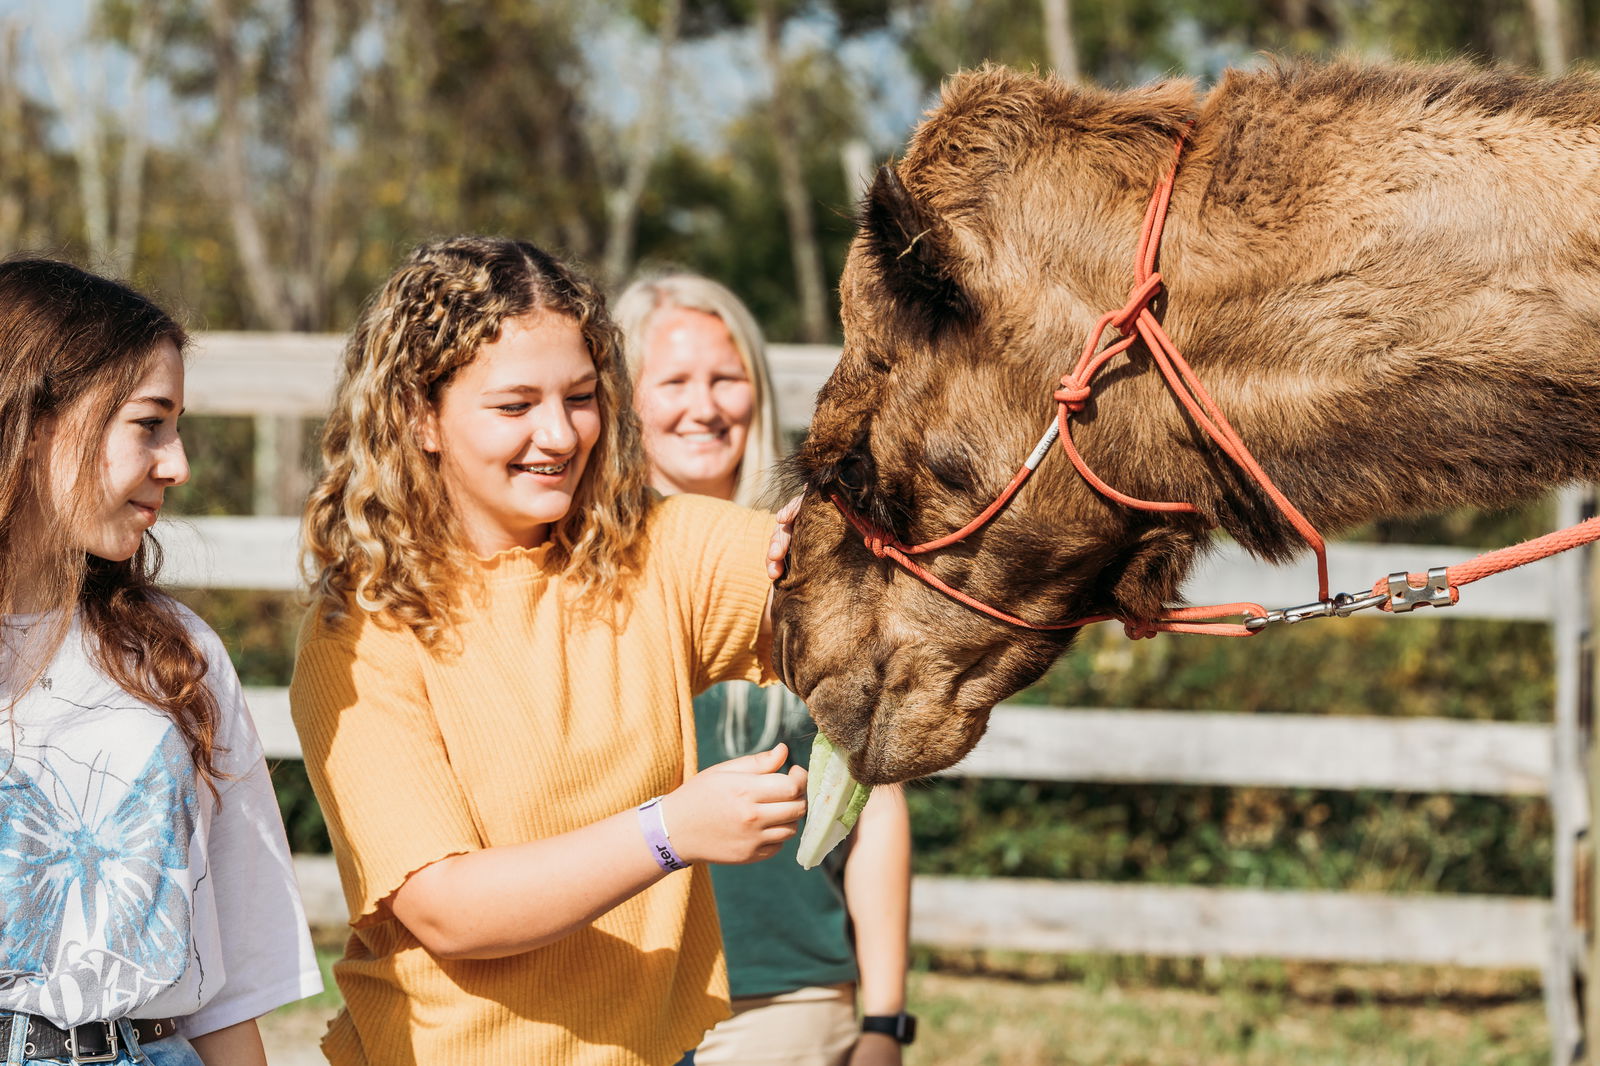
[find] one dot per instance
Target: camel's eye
(856, 479)
(854, 474)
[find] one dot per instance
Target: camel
(1388, 277)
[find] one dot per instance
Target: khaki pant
(807, 1027)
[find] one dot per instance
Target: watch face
(902, 1026)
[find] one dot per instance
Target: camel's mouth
(896, 735)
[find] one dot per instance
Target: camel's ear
(912, 248)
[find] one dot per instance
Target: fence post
(1584, 678)
(279, 475)
(1570, 802)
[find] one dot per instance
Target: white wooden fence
(276, 377)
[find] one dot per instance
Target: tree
(288, 289)
(12, 134)
(1099, 40)
(1059, 42)
(716, 211)
(768, 19)
(1555, 26)
(791, 182)
(472, 119)
(622, 203)
(108, 142)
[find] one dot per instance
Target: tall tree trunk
(411, 66)
(135, 142)
(87, 139)
(803, 245)
(12, 135)
(1555, 32)
(310, 188)
(91, 117)
(260, 276)
(1058, 39)
(622, 207)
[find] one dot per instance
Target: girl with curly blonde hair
(494, 686)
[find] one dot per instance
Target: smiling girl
(149, 912)
(494, 688)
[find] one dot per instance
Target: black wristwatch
(902, 1026)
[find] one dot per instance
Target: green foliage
(702, 212)
(1260, 838)
(220, 474)
(1419, 665)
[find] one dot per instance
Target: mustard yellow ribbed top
(542, 721)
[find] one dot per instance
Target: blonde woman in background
(705, 401)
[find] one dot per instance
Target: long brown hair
(379, 532)
(73, 347)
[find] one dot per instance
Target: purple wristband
(654, 827)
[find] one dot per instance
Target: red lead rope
(1135, 322)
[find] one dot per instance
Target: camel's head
(953, 347)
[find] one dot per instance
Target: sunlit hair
(73, 347)
(380, 531)
(636, 310)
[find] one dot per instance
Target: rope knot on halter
(1072, 394)
(877, 543)
(1122, 320)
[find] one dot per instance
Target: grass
(997, 1008)
(1006, 1009)
(979, 1020)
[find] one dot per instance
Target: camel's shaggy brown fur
(1388, 277)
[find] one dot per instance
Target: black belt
(89, 1042)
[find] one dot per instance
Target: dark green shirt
(783, 927)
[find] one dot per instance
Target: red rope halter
(1135, 322)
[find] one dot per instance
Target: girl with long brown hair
(494, 687)
(150, 912)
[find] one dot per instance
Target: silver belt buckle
(109, 1055)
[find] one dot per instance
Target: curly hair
(380, 532)
(75, 347)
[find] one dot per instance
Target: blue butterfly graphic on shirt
(76, 875)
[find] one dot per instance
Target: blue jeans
(168, 1051)
(687, 1060)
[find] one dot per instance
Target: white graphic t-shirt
(126, 889)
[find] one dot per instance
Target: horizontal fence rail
(293, 375)
(260, 552)
(1204, 748)
(279, 378)
(1066, 917)
(1176, 921)
(1181, 920)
